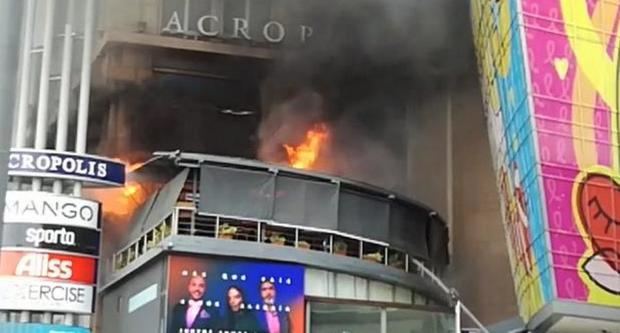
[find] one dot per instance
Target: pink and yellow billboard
(550, 76)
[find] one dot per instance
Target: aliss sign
(47, 282)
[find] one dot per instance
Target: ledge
(159, 41)
(260, 251)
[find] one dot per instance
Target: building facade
(548, 72)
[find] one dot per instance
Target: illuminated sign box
(47, 208)
(18, 293)
(51, 237)
(220, 295)
(48, 266)
(61, 165)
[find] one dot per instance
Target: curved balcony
(277, 209)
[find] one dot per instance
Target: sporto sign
(51, 237)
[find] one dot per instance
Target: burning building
(271, 152)
(291, 166)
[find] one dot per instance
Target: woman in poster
(238, 318)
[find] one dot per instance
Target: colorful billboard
(219, 295)
(549, 71)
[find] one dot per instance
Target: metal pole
(82, 122)
(40, 138)
(65, 86)
(10, 26)
(10, 17)
(24, 81)
(457, 317)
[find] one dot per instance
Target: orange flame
(123, 201)
(305, 155)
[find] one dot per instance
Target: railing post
(259, 232)
(175, 223)
(361, 250)
(331, 244)
(296, 237)
(386, 253)
(217, 226)
(407, 262)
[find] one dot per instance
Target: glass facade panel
(340, 318)
(359, 318)
(416, 321)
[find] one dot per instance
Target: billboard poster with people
(212, 295)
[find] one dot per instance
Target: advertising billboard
(219, 295)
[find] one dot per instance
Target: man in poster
(272, 319)
(193, 314)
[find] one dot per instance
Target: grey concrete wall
(481, 268)
(113, 314)
(468, 201)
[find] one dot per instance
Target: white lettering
(43, 162)
(306, 33)
(280, 32)
(80, 168)
(27, 162)
(39, 265)
(14, 161)
(56, 162)
(241, 26)
(69, 165)
(102, 170)
(91, 167)
(40, 235)
(174, 24)
(201, 25)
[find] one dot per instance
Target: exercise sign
(62, 165)
(41, 295)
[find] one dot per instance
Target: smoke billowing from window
(362, 72)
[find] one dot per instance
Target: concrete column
(10, 25)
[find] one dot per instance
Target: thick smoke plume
(364, 70)
(366, 65)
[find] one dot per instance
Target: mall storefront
(327, 274)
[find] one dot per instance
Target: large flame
(305, 155)
(123, 201)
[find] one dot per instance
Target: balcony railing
(186, 221)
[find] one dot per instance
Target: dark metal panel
(306, 202)
(146, 318)
(408, 229)
(236, 192)
(364, 215)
